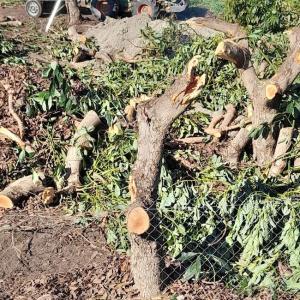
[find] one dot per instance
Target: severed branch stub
(138, 221)
(154, 118)
(81, 141)
(21, 188)
(234, 53)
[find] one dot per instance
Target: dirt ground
(46, 254)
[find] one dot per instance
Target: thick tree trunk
(263, 147)
(154, 119)
(74, 13)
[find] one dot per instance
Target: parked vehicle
(36, 8)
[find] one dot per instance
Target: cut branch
(232, 52)
(81, 141)
(13, 137)
(154, 119)
(283, 145)
(10, 94)
(236, 146)
(290, 69)
(231, 30)
(23, 187)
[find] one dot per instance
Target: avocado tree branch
(154, 118)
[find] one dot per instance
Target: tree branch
(290, 68)
(154, 119)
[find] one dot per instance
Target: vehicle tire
(145, 7)
(34, 8)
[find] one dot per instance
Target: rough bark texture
(154, 119)
(74, 13)
(20, 188)
(283, 145)
(264, 95)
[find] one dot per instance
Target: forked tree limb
(20, 188)
(81, 141)
(283, 145)
(216, 119)
(154, 119)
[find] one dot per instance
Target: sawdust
(122, 38)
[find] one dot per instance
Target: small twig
(190, 140)
(198, 108)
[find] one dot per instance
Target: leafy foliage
(235, 226)
(266, 15)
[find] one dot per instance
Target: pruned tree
(264, 94)
(156, 115)
(154, 119)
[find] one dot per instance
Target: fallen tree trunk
(81, 141)
(154, 119)
(20, 188)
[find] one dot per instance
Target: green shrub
(264, 14)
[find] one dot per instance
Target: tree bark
(154, 119)
(283, 145)
(74, 12)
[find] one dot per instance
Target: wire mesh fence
(238, 231)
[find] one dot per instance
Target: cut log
(48, 196)
(271, 91)
(21, 188)
(154, 119)
(138, 221)
(232, 52)
(81, 141)
(283, 145)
